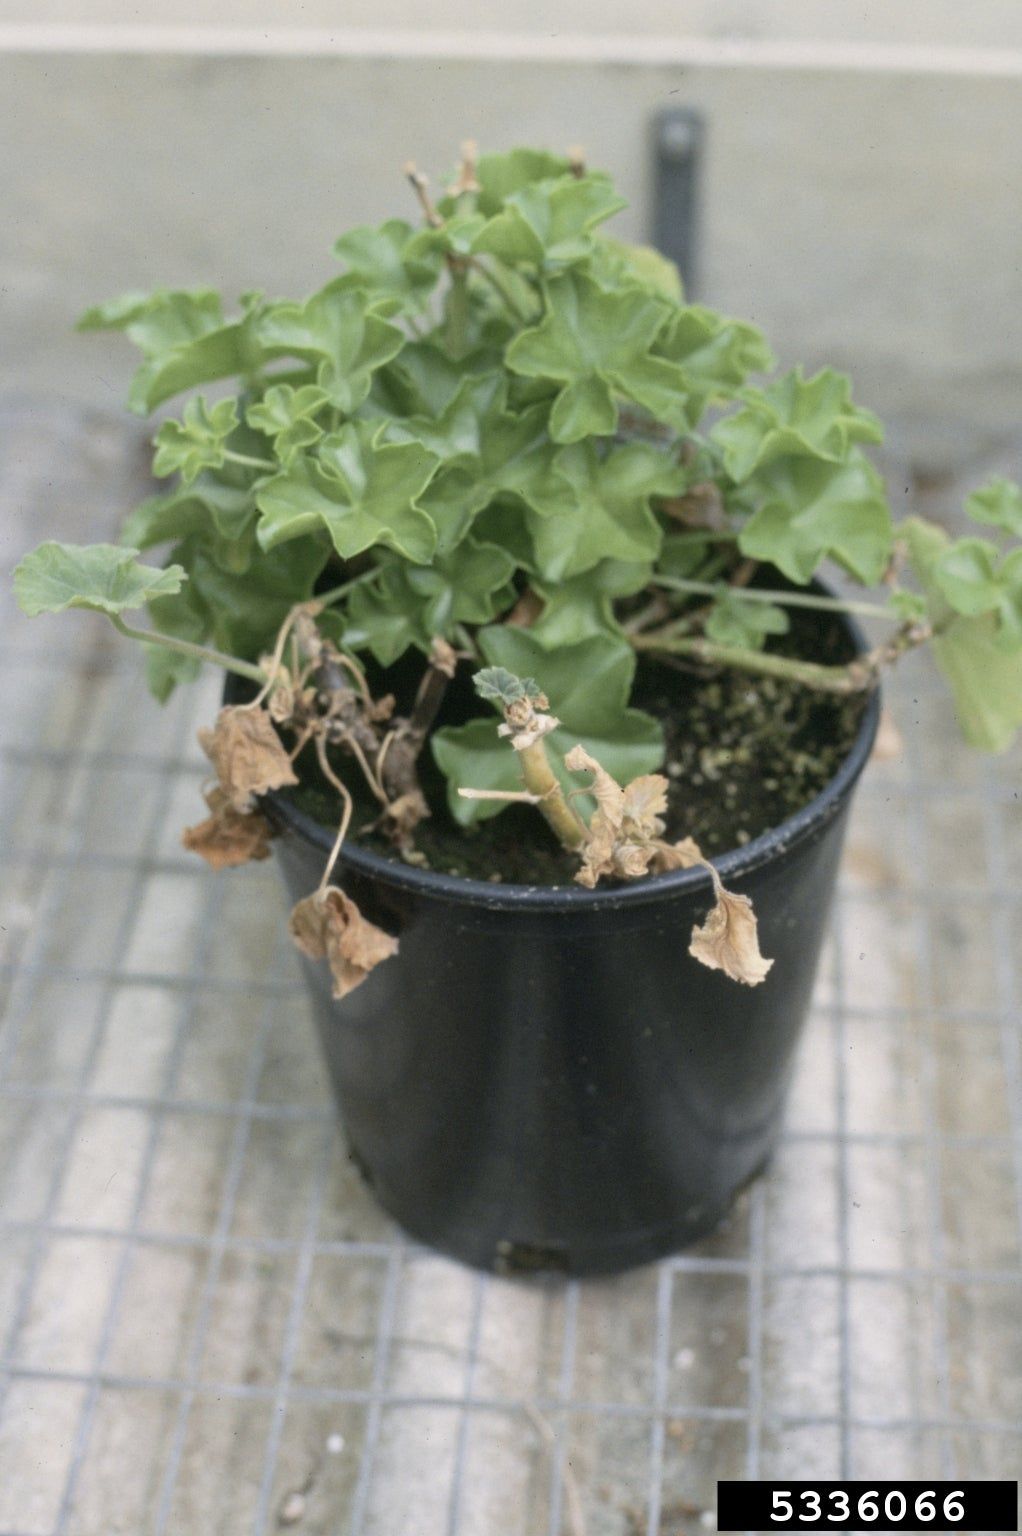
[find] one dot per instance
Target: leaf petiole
(249, 462)
(785, 599)
(189, 648)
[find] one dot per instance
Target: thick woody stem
(541, 781)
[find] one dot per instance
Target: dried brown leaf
(247, 754)
(606, 791)
(682, 855)
(228, 837)
(728, 940)
(329, 926)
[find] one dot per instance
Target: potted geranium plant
(514, 576)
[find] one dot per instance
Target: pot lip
(462, 890)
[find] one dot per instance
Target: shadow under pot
(543, 1077)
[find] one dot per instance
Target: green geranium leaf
(999, 504)
(604, 511)
(597, 343)
(288, 416)
(198, 441)
(184, 339)
(682, 554)
(158, 322)
(463, 586)
(966, 574)
(361, 491)
(407, 605)
(973, 579)
(612, 262)
(549, 222)
(501, 176)
(588, 686)
(812, 510)
(335, 330)
(794, 418)
(105, 577)
(456, 236)
(985, 676)
(738, 621)
(716, 354)
(244, 610)
(379, 261)
(385, 616)
(583, 606)
(209, 506)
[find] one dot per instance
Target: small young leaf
(999, 504)
(197, 442)
(502, 687)
(737, 621)
(287, 415)
(379, 262)
(548, 223)
(794, 418)
(104, 577)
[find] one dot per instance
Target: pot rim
(467, 891)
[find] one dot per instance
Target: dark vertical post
(677, 151)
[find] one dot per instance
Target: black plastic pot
(543, 1078)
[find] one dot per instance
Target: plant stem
(326, 598)
(497, 282)
(457, 309)
(840, 680)
(244, 458)
(788, 599)
(541, 781)
(188, 648)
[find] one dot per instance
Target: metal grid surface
(205, 1323)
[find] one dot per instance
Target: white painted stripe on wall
(517, 47)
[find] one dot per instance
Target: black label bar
(825, 1506)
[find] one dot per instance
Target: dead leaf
(247, 754)
(624, 825)
(682, 855)
(228, 837)
(525, 611)
(403, 815)
(329, 926)
(728, 940)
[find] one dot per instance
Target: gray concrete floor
(207, 1325)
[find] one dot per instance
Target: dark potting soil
(743, 753)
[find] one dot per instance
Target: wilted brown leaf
(728, 941)
(228, 837)
(624, 825)
(247, 754)
(681, 855)
(329, 926)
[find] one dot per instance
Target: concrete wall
(861, 194)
